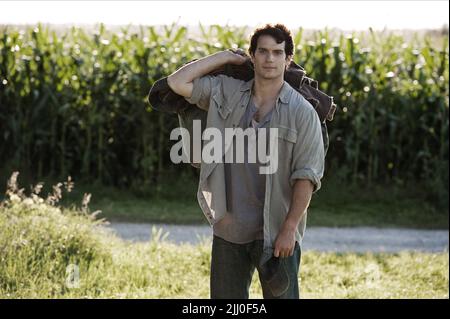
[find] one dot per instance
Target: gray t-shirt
(245, 187)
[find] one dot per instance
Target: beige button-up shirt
(300, 149)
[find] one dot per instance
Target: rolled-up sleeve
(308, 155)
(201, 91)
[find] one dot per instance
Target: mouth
(269, 68)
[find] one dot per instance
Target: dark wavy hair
(279, 32)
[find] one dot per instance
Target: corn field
(73, 102)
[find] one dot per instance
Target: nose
(269, 57)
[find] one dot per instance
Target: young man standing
(258, 219)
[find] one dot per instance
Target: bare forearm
(301, 197)
(198, 68)
(181, 81)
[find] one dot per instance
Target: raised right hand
(237, 56)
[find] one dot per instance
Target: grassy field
(41, 245)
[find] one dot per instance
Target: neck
(264, 90)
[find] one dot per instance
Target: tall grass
(74, 102)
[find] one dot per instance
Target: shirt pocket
(220, 104)
(286, 134)
(287, 138)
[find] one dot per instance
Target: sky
(346, 15)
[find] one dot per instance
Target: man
(258, 219)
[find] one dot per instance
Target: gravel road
(359, 239)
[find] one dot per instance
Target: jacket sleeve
(308, 155)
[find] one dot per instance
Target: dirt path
(359, 239)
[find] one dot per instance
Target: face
(270, 60)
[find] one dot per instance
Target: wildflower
(69, 184)
(85, 202)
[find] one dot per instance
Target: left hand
(285, 242)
